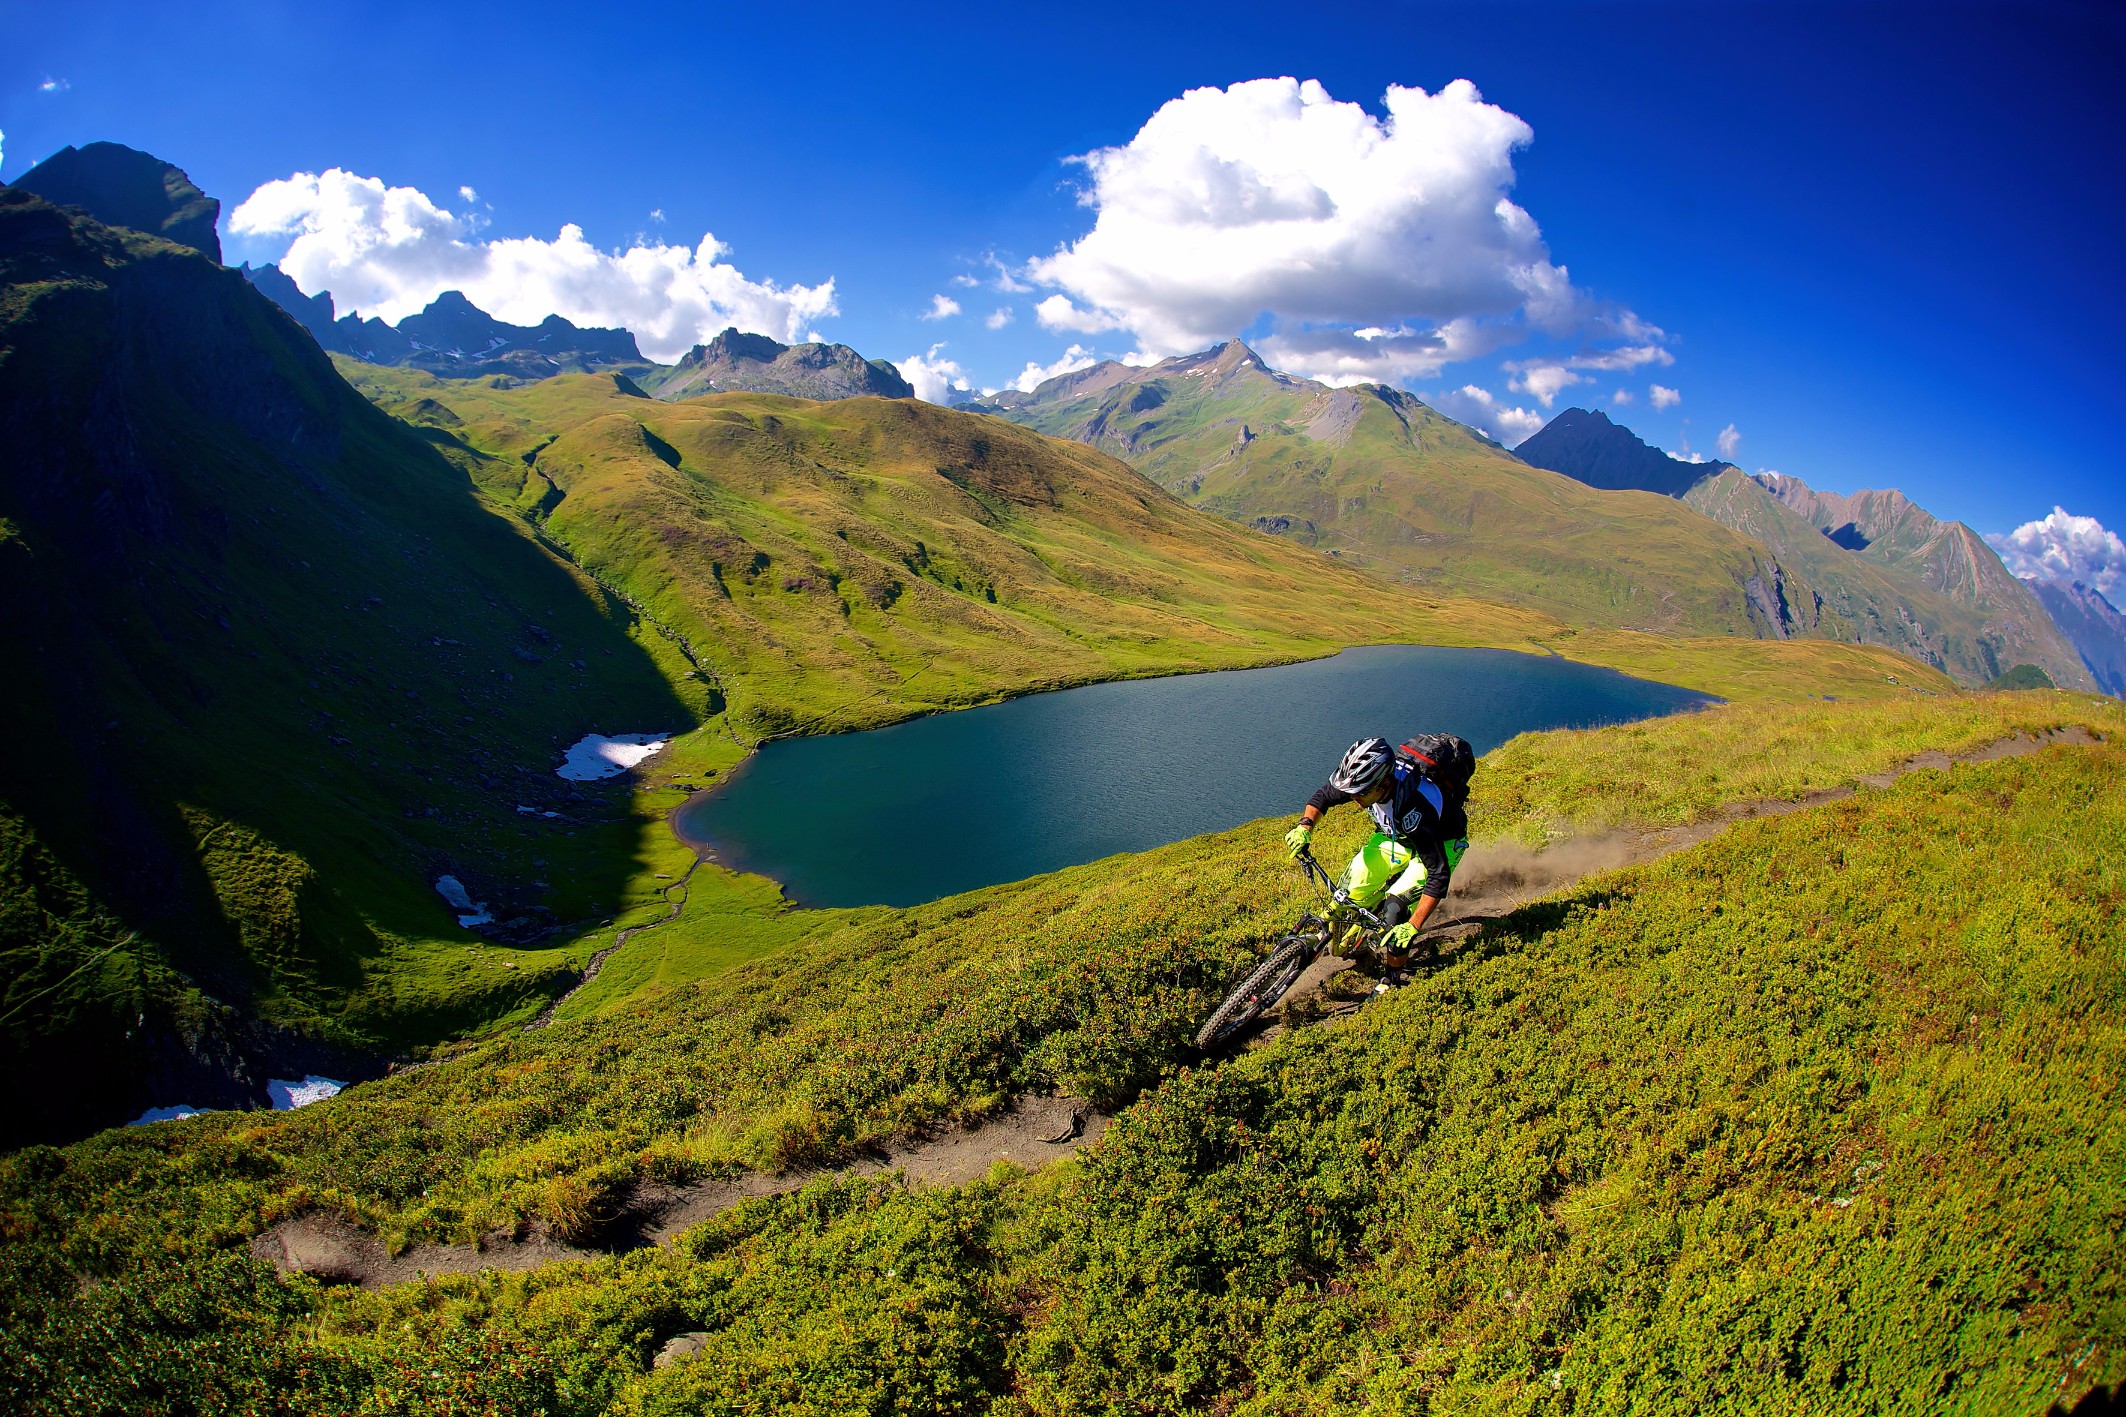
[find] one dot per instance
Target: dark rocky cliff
(1585, 446)
(122, 186)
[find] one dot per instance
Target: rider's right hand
(1295, 840)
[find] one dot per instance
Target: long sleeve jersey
(1416, 814)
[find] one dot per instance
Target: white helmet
(1365, 764)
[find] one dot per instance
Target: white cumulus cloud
(941, 307)
(388, 251)
(51, 85)
(1477, 408)
(1272, 198)
(999, 317)
(934, 377)
(2065, 547)
(1729, 442)
(1661, 396)
(1542, 379)
(1034, 375)
(1621, 397)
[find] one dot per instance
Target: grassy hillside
(868, 559)
(1817, 1114)
(1374, 476)
(864, 559)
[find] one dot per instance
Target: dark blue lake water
(959, 800)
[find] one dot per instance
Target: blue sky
(1880, 243)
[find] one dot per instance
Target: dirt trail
(1497, 878)
(1494, 880)
(1033, 1133)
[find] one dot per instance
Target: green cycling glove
(1295, 840)
(1397, 941)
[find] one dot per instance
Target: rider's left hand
(1398, 940)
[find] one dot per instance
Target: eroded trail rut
(1034, 1132)
(1494, 880)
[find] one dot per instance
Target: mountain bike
(1267, 982)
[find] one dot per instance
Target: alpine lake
(954, 801)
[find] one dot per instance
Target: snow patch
(597, 755)
(289, 1094)
(470, 912)
(166, 1114)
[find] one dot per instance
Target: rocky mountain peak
(734, 345)
(736, 361)
(122, 186)
(1584, 445)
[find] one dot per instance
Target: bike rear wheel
(1261, 989)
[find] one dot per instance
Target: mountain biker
(1419, 836)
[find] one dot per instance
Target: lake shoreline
(1054, 777)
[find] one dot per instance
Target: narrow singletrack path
(1031, 1133)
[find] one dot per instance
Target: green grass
(1683, 769)
(2023, 676)
(1820, 1115)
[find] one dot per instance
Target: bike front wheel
(1260, 990)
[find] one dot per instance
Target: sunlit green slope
(1373, 476)
(846, 563)
(1799, 1118)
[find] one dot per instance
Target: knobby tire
(1260, 990)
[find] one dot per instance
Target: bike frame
(1338, 896)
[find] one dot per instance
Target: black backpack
(1446, 759)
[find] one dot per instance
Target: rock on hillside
(2096, 628)
(122, 186)
(754, 364)
(264, 687)
(1584, 445)
(454, 338)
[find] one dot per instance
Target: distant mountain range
(453, 337)
(1873, 566)
(1373, 475)
(1368, 474)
